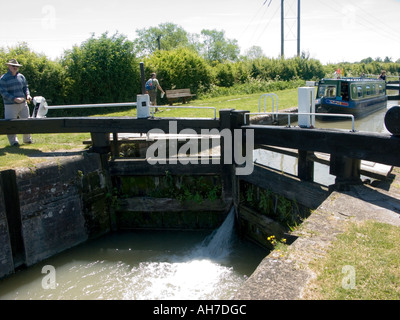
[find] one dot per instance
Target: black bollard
(392, 120)
(142, 78)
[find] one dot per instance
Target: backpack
(149, 85)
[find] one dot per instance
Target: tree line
(106, 69)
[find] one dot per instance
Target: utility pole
(283, 28)
(159, 42)
(298, 28)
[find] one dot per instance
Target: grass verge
(44, 147)
(48, 145)
(287, 98)
(363, 264)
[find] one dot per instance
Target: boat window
(345, 91)
(353, 92)
(375, 89)
(327, 91)
(360, 92)
(357, 91)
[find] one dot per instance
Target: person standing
(382, 76)
(151, 86)
(15, 93)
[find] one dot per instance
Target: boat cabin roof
(357, 80)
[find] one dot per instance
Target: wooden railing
(346, 149)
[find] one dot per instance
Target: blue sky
(331, 31)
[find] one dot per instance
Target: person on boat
(382, 76)
(15, 93)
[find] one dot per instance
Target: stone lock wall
(6, 265)
(59, 204)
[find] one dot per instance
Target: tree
(367, 60)
(217, 48)
(387, 60)
(254, 52)
(179, 68)
(168, 35)
(309, 69)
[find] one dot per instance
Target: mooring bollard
(392, 120)
(142, 78)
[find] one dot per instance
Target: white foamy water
(199, 274)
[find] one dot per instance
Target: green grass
(45, 146)
(287, 99)
(50, 145)
(372, 251)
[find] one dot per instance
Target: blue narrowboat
(357, 96)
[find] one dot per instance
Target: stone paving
(285, 276)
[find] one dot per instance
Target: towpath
(285, 277)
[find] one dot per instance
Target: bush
(102, 70)
(286, 69)
(179, 69)
(250, 87)
(45, 77)
(371, 69)
(105, 70)
(224, 76)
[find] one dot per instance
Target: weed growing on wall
(275, 206)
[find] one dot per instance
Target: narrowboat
(357, 96)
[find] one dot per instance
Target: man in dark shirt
(382, 75)
(15, 93)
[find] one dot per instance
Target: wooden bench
(174, 95)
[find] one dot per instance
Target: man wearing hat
(15, 92)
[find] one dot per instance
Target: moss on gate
(182, 188)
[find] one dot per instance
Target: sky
(331, 30)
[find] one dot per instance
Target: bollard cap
(392, 120)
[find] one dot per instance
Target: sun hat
(13, 62)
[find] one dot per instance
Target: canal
(142, 265)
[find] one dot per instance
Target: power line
(268, 23)
(252, 19)
(381, 23)
(256, 31)
(369, 25)
(264, 11)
